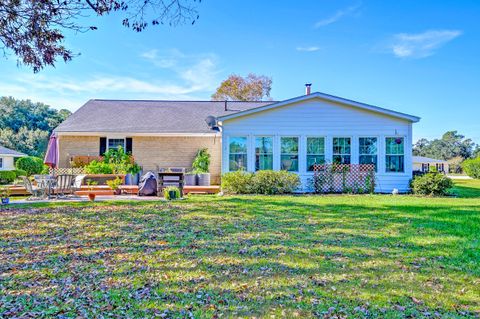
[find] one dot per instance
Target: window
(315, 152)
(115, 143)
(425, 167)
(238, 153)
(263, 153)
(1, 162)
(368, 151)
(394, 151)
(289, 154)
(341, 150)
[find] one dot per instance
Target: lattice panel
(344, 178)
(64, 170)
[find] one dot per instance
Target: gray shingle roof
(422, 159)
(7, 151)
(143, 116)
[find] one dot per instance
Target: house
(7, 158)
(291, 135)
(425, 164)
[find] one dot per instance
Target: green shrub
(201, 162)
(30, 164)
(471, 167)
(266, 182)
(96, 167)
(238, 182)
(20, 172)
(7, 177)
(431, 184)
(270, 182)
(167, 190)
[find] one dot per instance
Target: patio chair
(77, 183)
(37, 192)
(63, 185)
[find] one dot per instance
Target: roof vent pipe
(308, 88)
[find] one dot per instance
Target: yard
(210, 257)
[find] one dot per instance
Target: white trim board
(325, 97)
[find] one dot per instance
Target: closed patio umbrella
(52, 156)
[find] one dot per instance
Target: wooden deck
(126, 189)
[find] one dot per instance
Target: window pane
(341, 159)
(238, 153)
(238, 162)
(341, 145)
(394, 163)
(368, 145)
(238, 145)
(289, 153)
(315, 145)
(289, 163)
(289, 145)
(314, 159)
(263, 153)
(114, 143)
(394, 145)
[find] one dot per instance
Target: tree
(34, 30)
(451, 145)
(25, 126)
(251, 88)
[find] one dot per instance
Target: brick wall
(176, 152)
(150, 152)
(77, 145)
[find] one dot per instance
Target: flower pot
(203, 179)
(91, 197)
(190, 179)
(128, 179)
(5, 201)
(135, 179)
(172, 194)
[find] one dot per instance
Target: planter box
(102, 179)
(203, 179)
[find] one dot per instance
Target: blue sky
(417, 57)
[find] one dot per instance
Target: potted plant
(132, 174)
(5, 195)
(171, 192)
(201, 165)
(190, 178)
(114, 185)
(91, 194)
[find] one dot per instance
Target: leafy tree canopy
(26, 126)
(251, 88)
(34, 30)
(451, 145)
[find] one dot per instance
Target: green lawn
(378, 256)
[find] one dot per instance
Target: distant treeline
(25, 126)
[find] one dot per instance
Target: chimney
(308, 88)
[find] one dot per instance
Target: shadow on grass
(243, 256)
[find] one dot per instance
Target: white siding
(323, 119)
(7, 163)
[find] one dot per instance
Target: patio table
(46, 183)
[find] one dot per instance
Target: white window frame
(117, 138)
(377, 153)
(280, 151)
(246, 151)
(386, 154)
(306, 151)
(255, 151)
(351, 148)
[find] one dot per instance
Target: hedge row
(7, 177)
(262, 182)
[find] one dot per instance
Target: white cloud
(308, 49)
(337, 16)
(421, 45)
(174, 76)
